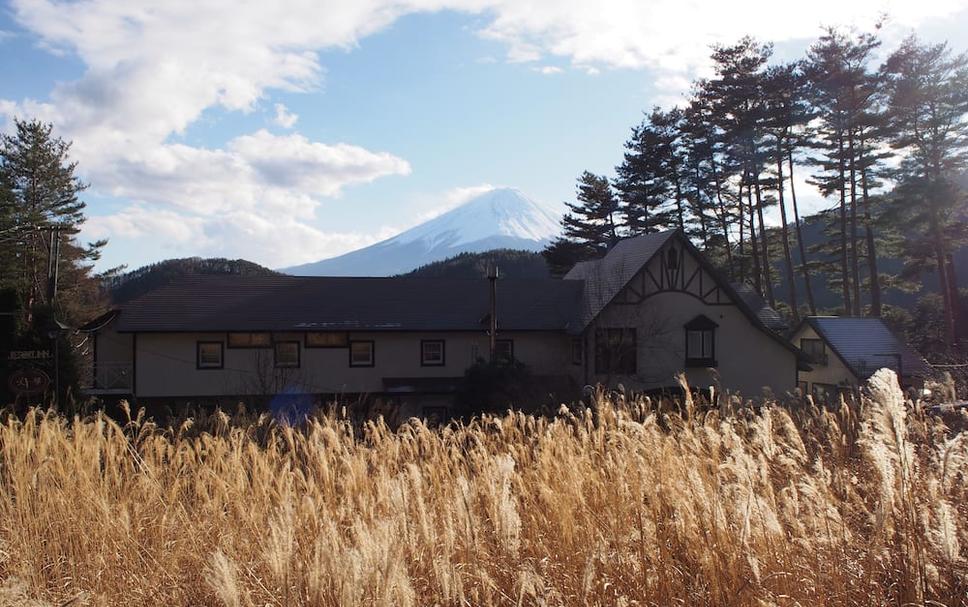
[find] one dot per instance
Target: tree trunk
(757, 271)
(791, 277)
(764, 247)
(854, 256)
(724, 221)
(742, 239)
(875, 277)
(842, 183)
(956, 320)
(803, 250)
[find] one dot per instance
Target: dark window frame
(443, 353)
(577, 351)
(625, 353)
(706, 328)
(275, 354)
(818, 360)
(228, 340)
(832, 391)
(349, 349)
(198, 355)
(309, 346)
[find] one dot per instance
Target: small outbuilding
(844, 351)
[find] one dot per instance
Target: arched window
(701, 342)
(672, 258)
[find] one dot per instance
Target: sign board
(28, 381)
(29, 355)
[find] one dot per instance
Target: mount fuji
(502, 218)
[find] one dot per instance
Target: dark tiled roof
(770, 317)
(291, 303)
(605, 277)
(867, 344)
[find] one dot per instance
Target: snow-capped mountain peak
(498, 218)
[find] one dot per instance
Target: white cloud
(284, 117)
(152, 69)
(548, 70)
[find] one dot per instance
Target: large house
(844, 351)
(651, 308)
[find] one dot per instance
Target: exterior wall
(166, 363)
(113, 355)
(749, 360)
(834, 373)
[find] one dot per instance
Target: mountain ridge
(501, 218)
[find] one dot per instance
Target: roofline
(809, 320)
(826, 339)
(564, 330)
(96, 324)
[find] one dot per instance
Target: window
(432, 353)
(287, 354)
(361, 354)
(326, 339)
(701, 342)
(577, 351)
(615, 351)
(208, 355)
(814, 350)
(504, 350)
(249, 340)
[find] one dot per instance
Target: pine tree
(588, 228)
(43, 206)
(649, 179)
(927, 96)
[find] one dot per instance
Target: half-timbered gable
(654, 307)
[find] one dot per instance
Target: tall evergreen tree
(927, 89)
(645, 183)
(588, 228)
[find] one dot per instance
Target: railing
(111, 377)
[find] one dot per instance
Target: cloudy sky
(293, 130)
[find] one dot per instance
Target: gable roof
(297, 303)
(605, 278)
(867, 344)
(769, 316)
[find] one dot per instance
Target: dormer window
(701, 342)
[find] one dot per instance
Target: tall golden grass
(618, 504)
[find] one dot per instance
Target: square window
(814, 350)
(287, 354)
(249, 340)
(616, 351)
(361, 354)
(432, 353)
(326, 339)
(208, 355)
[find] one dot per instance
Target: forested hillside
(511, 262)
(127, 286)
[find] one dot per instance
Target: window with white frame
(432, 352)
(701, 342)
(208, 355)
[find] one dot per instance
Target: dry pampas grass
(617, 504)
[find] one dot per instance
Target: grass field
(616, 505)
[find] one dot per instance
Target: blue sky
(293, 132)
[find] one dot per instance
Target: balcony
(111, 378)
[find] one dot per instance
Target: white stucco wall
(834, 373)
(166, 363)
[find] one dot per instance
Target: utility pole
(53, 265)
(492, 276)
